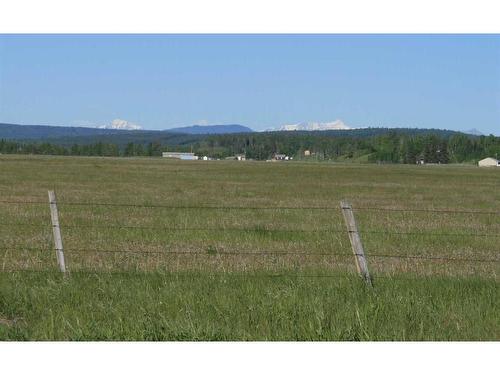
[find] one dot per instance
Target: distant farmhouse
(489, 162)
(180, 155)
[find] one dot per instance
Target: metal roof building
(489, 162)
(180, 155)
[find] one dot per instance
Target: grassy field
(180, 250)
(184, 306)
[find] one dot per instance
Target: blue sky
(262, 81)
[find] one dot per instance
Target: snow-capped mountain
(121, 125)
(333, 125)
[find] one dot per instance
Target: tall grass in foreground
(203, 306)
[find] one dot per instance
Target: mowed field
(177, 250)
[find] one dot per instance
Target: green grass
(185, 306)
(197, 283)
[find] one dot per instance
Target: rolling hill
(40, 132)
(68, 135)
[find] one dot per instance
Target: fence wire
(494, 259)
(258, 253)
(259, 230)
(371, 208)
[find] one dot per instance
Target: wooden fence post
(56, 230)
(357, 246)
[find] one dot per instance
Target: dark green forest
(389, 146)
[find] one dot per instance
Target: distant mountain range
(118, 124)
(68, 135)
(312, 126)
(211, 129)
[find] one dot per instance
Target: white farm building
(180, 155)
(489, 162)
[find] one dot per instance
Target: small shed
(489, 162)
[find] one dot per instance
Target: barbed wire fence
(361, 258)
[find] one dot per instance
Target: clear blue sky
(262, 81)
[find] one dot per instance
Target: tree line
(390, 147)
